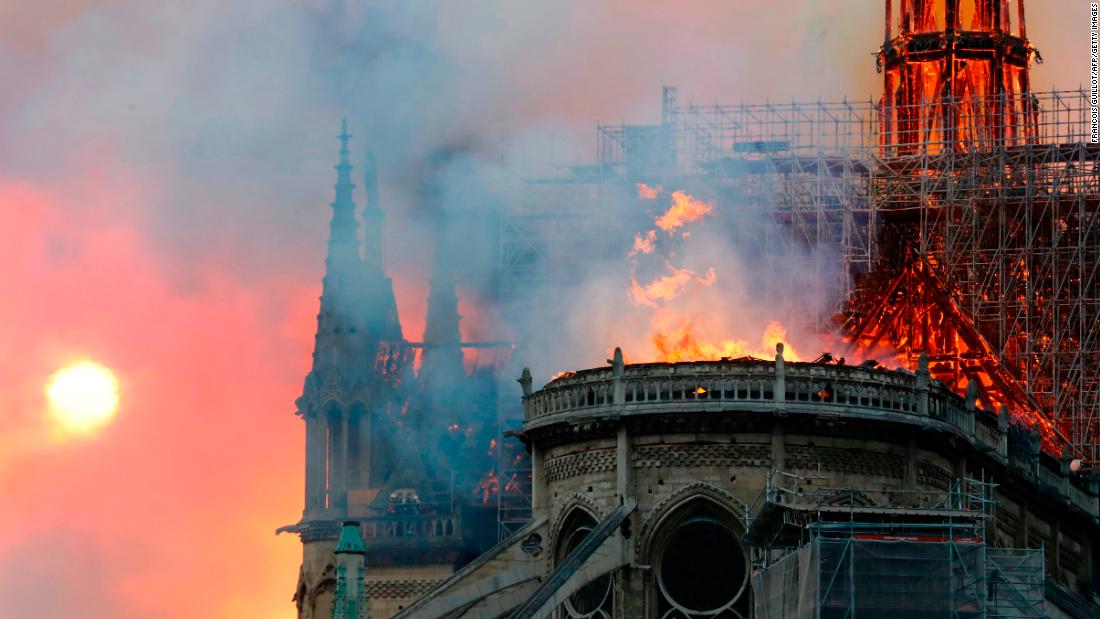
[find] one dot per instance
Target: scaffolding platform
(836, 552)
(884, 577)
(789, 506)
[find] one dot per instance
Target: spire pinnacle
(343, 251)
(344, 137)
(343, 168)
(441, 365)
(351, 542)
(350, 599)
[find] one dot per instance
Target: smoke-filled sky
(165, 171)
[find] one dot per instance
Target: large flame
(959, 354)
(677, 340)
(682, 325)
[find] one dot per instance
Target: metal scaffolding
(1005, 230)
(1007, 234)
(514, 498)
(825, 551)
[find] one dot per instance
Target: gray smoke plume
(205, 131)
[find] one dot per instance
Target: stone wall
(732, 468)
(662, 443)
(388, 588)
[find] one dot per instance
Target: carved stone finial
(922, 374)
(971, 395)
(780, 385)
(524, 381)
(1036, 439)
(618, 366)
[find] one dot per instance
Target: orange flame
(673, 334)
(644, 244)
(667, 287)
(685, 209)
(513, 487)
(663, 288)
(646, 192)
(488, 486)
(676, 340)
(959, 354)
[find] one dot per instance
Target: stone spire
(343, 242)
(334, 384)
(441, 366)
(338, 297)
(380, 305)
(350, 601)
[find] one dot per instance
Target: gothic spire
(337, 365)
(379, 305)
(442, 361)
(343, 242)
(350, 600)
(339, 297)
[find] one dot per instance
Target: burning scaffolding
(956, 77)
(987, 195)
(1004, 243)
(962, 208)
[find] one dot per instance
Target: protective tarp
(1016, 580)
(788, 588)
(890, 579)
(901, 578)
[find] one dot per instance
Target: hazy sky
(165, 171)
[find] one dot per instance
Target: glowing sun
(82, 396)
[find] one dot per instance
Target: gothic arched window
(701, 569)
(592, 601)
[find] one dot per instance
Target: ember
(488, 487)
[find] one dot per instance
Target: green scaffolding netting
(851, 577)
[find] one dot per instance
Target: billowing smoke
(166, 170)
(672, 275)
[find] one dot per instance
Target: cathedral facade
(714, 489)
(381, 448)
(752, 488)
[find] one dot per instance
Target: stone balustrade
(392, 530)
(421, 527)
(787, 388)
